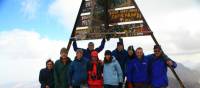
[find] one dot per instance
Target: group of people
(120, 68)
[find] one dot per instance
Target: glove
(107, 37)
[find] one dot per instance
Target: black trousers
(110, 86)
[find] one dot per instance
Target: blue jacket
(121, 57)
(158, 71)
(87, 52)
(78, 72)
(137, 70)
(46, 78)
(127, 68)
(112, 73)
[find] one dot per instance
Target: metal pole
(156, 42)
(75, 25)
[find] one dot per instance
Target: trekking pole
(124, 83)
(75, 25)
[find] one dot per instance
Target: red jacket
(95, 71)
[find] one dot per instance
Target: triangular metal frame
(145, 22)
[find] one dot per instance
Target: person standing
(87, 52)
(95, 71)
(61, 70)
(112, 72)
(158, 68)
(129, 70)
(78, 71)
(46, 75)
(121, 56)
(139, 69)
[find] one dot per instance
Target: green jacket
(61, 74)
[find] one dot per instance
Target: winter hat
(119, 43)
(130, 48)
(157, 47)
(91, 43)
(108, 52)
(94, 54)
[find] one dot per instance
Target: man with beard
(138, 68)
(61, 70)
(158, 68)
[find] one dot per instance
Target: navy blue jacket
(78, 72)
(137, 70)
(158, 71)
(121, 57)
(87, 52)
(46, 78)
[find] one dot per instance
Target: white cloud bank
(20, 44)
(24, 53)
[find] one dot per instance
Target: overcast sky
(31, 31)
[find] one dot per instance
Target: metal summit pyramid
(98, 19)
(113, 18)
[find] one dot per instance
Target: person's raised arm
(121, 40)
(101, 47)
(75, 45)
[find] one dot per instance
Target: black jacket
(46, 78)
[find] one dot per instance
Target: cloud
(65, 11)
(21, 44)
(29, 8)
(25, 52)
(163, 6)
(190, 60)
(178, 31)
(174, 25)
